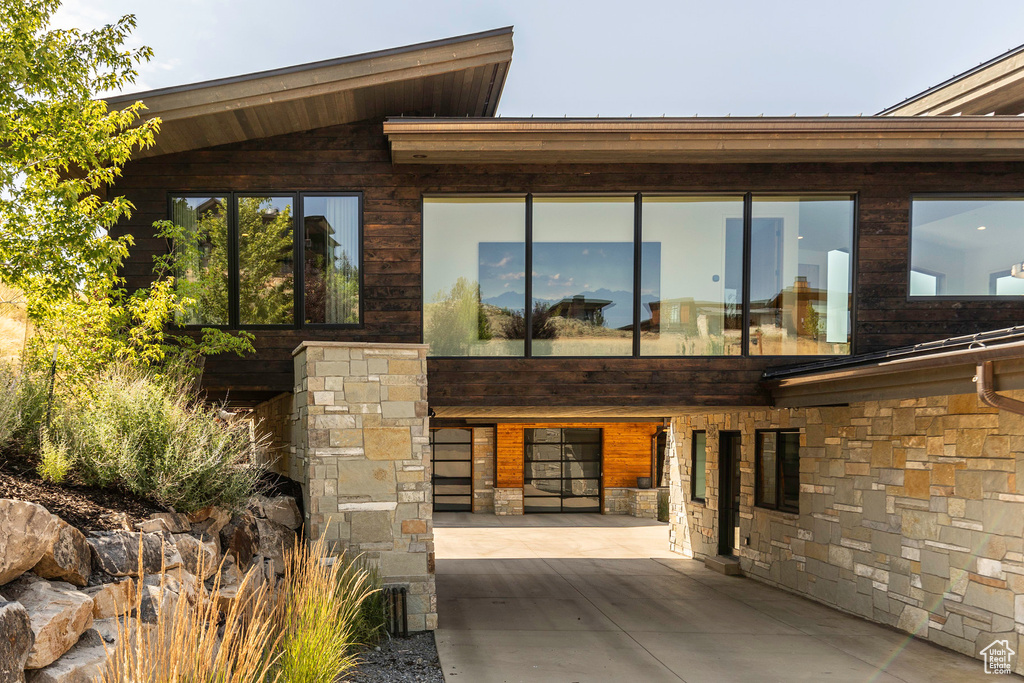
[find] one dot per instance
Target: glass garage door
(562, 470)
(452, 453)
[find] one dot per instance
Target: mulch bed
(85, 507)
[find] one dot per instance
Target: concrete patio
(591, 598)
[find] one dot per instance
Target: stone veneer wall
(911, 514)
(615, 501)
(643, 503)
(508, 501)
(273, 418)
(484, 442)
(362, 438)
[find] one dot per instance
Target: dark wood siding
(356, 157)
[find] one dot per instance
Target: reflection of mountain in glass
(574, 278)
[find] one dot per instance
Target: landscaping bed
(399, 660)
(86, 507)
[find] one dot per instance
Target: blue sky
(642, 58)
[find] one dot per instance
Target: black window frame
(298, 256)
(693, 466)
(779, 503)
(748, 200)
(910, 247)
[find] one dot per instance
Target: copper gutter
(949, 358)
(987, 392)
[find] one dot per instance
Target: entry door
(562, 470)
(729, 494)
(452, 453)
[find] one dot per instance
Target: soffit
(460, 76)
(994, 87)
(704, 140)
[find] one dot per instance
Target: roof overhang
(993, 87)
(704, 140)
(461, 76)
(937, 374)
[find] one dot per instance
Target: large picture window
(633, 275)
(800, 275)
(966, 246)
(474, 276)
(777, 470)
(237, 259)
(583, 276)
(202, 258)
(691, 293)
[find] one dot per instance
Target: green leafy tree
(60, 147)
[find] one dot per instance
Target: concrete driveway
(591, 598)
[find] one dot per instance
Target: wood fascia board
(704, 140)
(250, 94)
(948, 98)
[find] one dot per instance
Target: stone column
(361, 436)
(483, 469)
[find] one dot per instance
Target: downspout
(987, 392)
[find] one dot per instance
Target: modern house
(747, 310)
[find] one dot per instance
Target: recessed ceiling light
(981, 227)
(799, 237)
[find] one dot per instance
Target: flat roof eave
(704, 140)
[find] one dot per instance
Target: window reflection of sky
(594, 270)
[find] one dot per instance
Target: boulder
(27, 530)
(58, 613)
(199, 556)
(83, 663)
(281, 510)
(276, 542)
(111, 599)
(209, 520)
(171, 522)
(159, 593)
(16, 640)
(240, 537)
(117, 553)
(68, 558)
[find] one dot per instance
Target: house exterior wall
(357, 158)
(273, 422)
(911, 513)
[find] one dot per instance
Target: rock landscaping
(64, 592)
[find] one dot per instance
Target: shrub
(318, 615)
(22, 408)
(147, 434)
(371, 623)
(54, 462)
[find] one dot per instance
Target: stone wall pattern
(363, 439)
(484, 444)
(911, 513)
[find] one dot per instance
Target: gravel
(399, 660)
